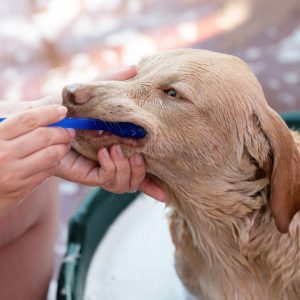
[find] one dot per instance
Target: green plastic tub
(86, 229)
(89, 225)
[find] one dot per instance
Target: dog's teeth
(100, 132)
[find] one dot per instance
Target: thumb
(121, 74)
(152, 189)
(48, 100)
(8, 108)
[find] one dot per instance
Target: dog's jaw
(88, 143)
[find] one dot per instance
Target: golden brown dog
(229, 163)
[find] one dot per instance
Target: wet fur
(228, 162)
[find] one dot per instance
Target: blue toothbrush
(122, 129)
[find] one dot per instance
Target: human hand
(29, 151)
(8, 108)
(116, 173)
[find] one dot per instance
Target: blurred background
(46, 44)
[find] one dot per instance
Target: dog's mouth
(107, 138)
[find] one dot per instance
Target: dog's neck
(228, 221)
(209, 206)
(218, 237)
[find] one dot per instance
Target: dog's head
(205, 114)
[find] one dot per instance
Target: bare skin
(30, 154)
(27, 235)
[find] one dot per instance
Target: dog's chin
(88, 142)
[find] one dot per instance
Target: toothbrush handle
(123, 129)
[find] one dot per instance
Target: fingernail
(138, 160)
(62, 110)
(72, 132)
(119, 151)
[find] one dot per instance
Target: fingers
(107, 168)
(122, 74)
(8, 108)
(77, 168)
(114, 174)
(119, 174)
(49, 100)
(41, 137)
(123, 172)
(138, 172)
(43, 160)
(152, 189)
(24, 122)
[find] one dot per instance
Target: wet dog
(230, 166)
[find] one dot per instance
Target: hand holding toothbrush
(30, 152)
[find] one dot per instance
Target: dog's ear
(285, 178)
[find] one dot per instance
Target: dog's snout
(77, 93)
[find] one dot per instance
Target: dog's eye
(171, 93)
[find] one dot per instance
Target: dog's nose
(77, 93)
